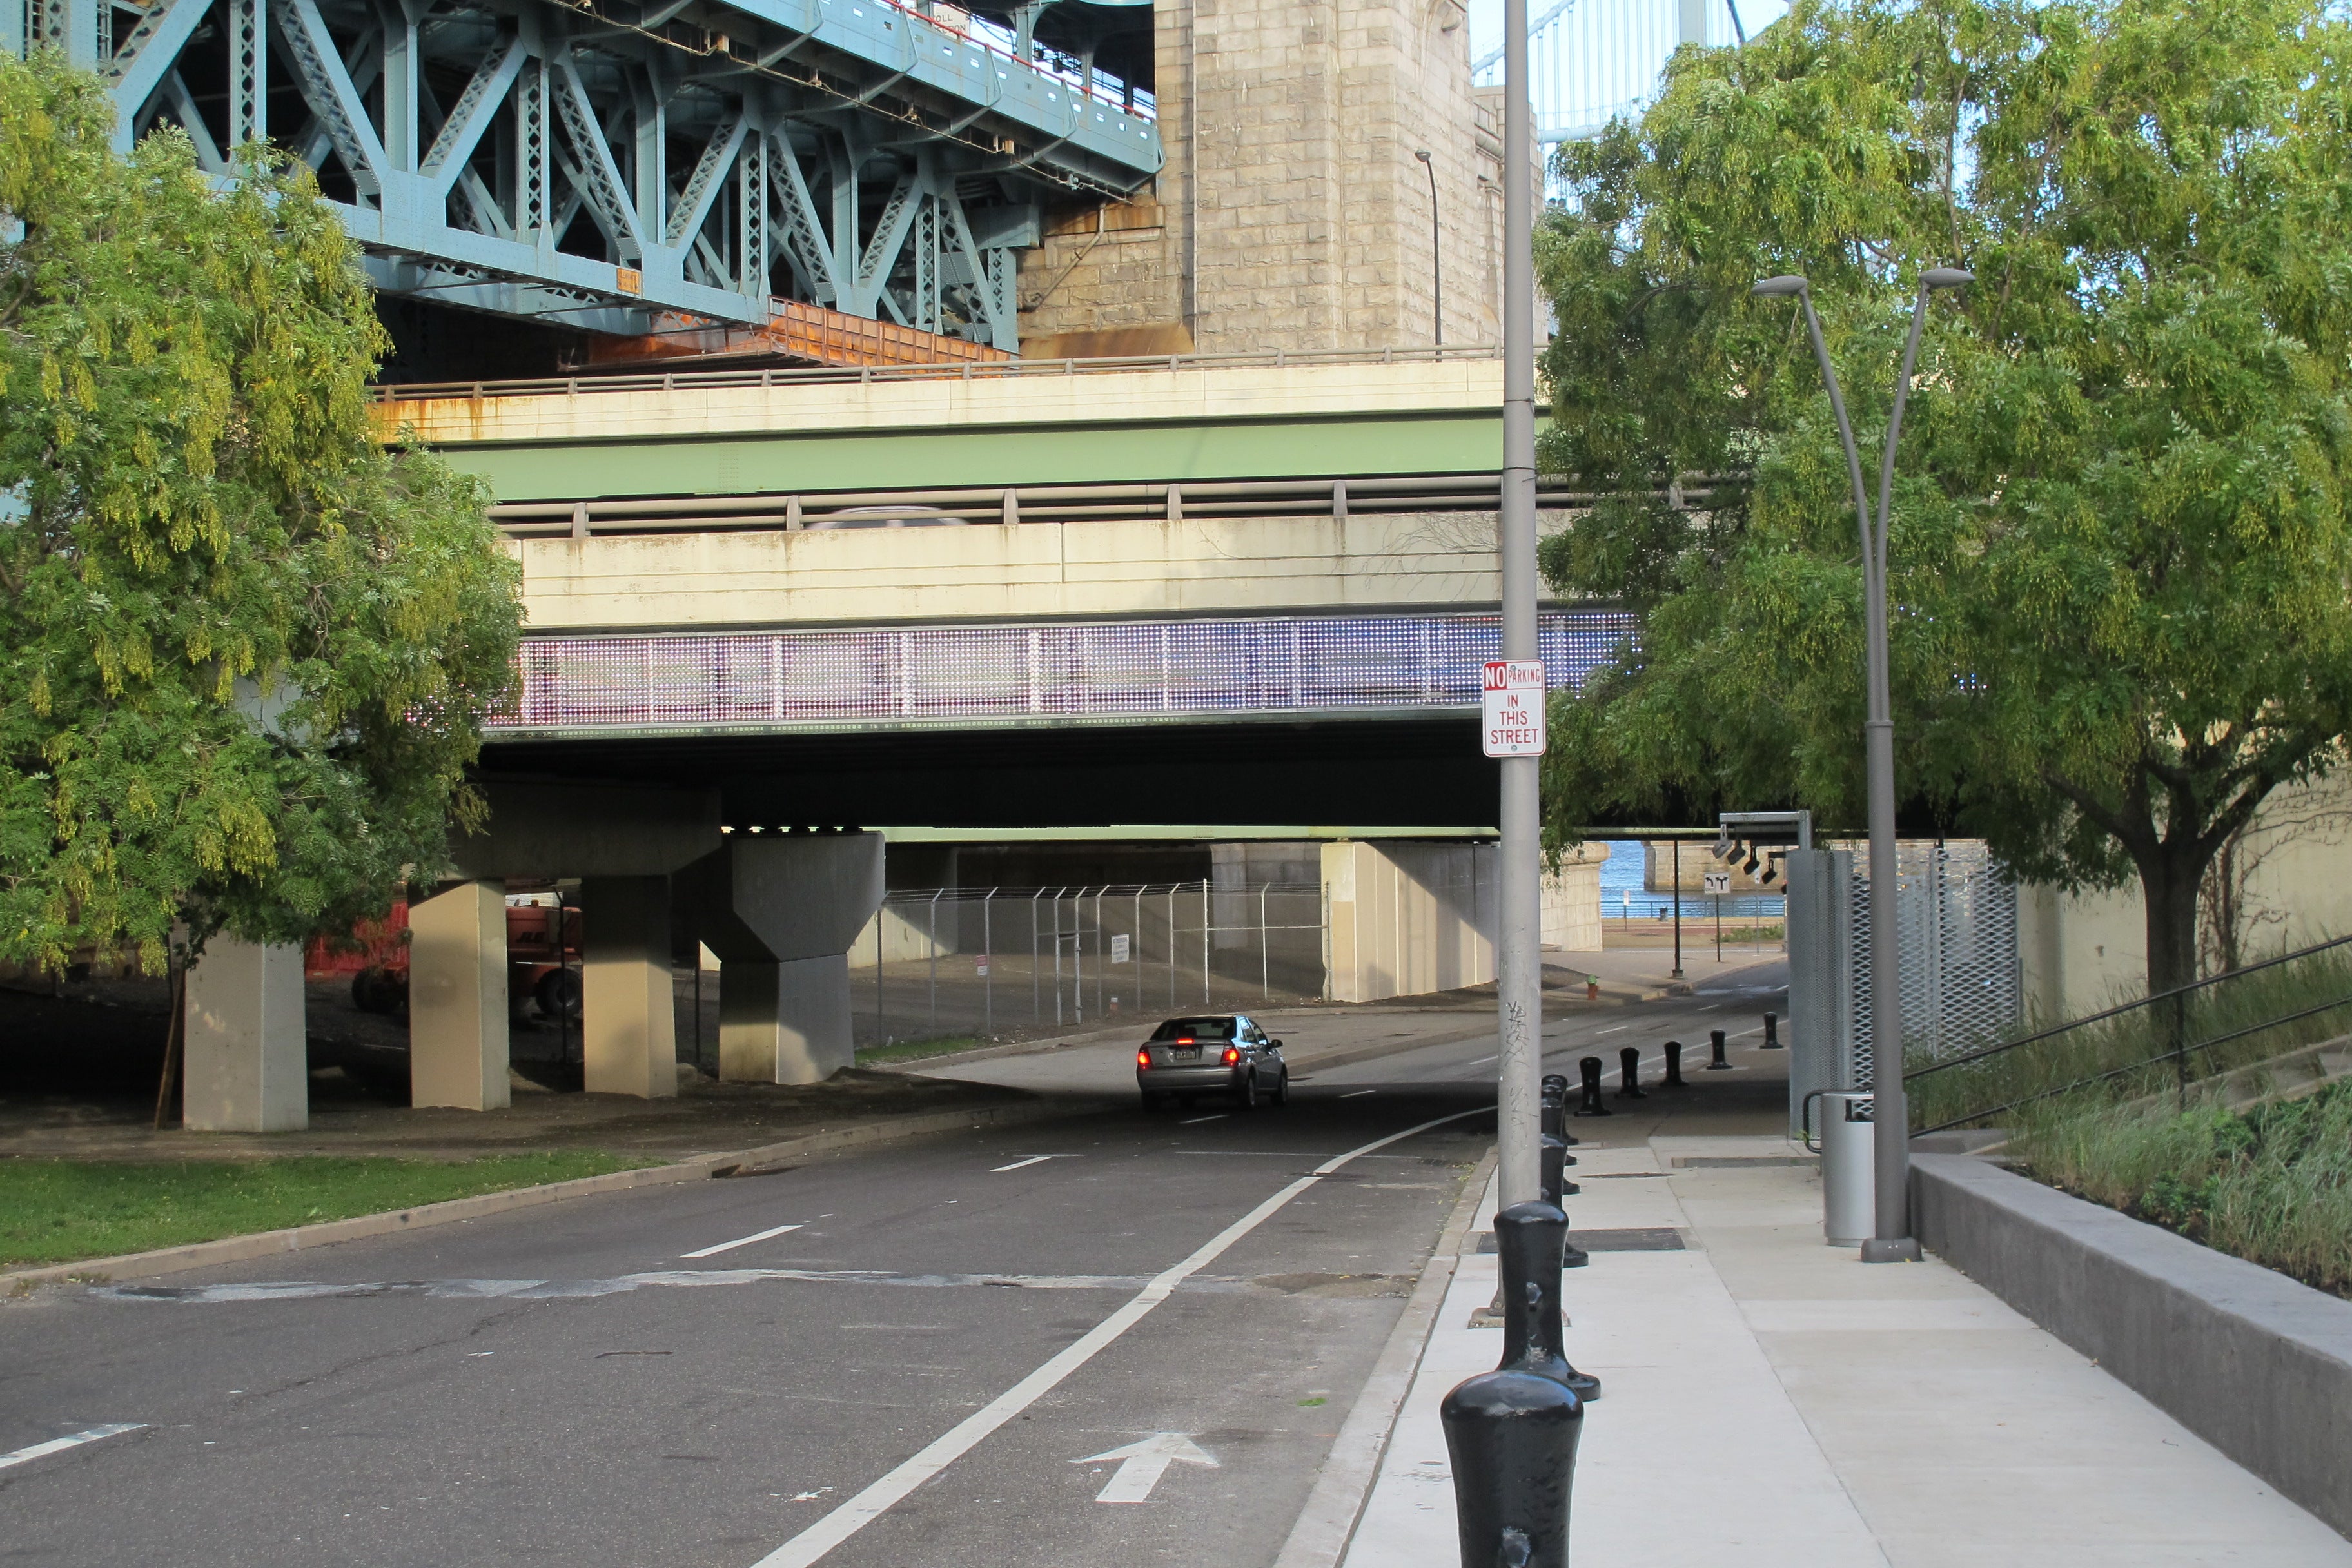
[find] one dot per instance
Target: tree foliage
(2120, 549)
(245, 648)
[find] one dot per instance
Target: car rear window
(1194, 1028)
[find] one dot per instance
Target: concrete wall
(1408, 919)
(1572, 901)
(1207, 566)
(2252, 1362)
(2082, 952)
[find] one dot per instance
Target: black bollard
(1511, 1437)
(1629, 1074)
(1714, 1041)
(1773, 1031)
(1555, 1086)
(1551, 1156)
(1674, 1079)
(1529, 1239)
(1589, 1103)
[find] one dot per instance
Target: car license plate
(1185, 1054)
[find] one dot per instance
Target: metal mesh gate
(1957, 939)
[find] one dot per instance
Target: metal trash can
(1849, 1171)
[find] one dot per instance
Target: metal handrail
(2116, 1012)
(961, 369)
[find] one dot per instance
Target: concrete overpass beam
(780, 913)
(457, 997)
(628, 1021)
(247, 1051)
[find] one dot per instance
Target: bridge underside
(622, 165)
(1388, 772)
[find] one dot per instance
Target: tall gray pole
(1891, 1141)
(1519, 965)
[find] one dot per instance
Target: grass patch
(2272, 1185)
(2233, 1006)
(57, 1211)
(915, 1050)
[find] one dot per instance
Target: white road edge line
(59, 1444)
(1017, 1164)
(876, 1499)
(1196, 1120)
(1360, 1094)
(739, 1241)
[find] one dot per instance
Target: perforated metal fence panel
(1956, 939)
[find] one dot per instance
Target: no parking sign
(1514, 708)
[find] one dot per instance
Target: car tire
(1245, 1097)
(1282, 1087)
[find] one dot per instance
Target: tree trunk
(2168, 890)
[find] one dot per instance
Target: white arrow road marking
(1142, 1463)
(1031, 1159)
(740, 1241)
(848, 1518)
(59, 1444)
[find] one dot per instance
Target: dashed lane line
(73, 1440)
(742, 1241)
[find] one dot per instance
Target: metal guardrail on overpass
(988, 370)
(987, 677)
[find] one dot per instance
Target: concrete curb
(2256, 1364)
(1327, 1523)
(702, 1167)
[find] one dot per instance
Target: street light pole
(1889, 1108)
(1436, 255)
(1519, 972)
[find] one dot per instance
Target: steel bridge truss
(618, 164)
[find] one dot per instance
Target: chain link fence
(940, 962)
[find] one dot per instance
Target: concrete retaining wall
(2254, 1363)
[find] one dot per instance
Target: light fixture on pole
(1889, 1107)
(1436, 261)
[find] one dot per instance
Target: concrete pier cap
(623, 842)
(780, 912)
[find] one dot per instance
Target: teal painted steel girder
(612, 162)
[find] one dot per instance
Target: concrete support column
(785, 1022)
(628, 1023)
(780, 913)
(457, 997)
(247, 1051)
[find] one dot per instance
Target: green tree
(245, 646)
(2120, 549)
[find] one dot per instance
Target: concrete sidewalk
(1771, 1400)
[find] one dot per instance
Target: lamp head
(1423, 154)
(1947, 276)
(1778, 288)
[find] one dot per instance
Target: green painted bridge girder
(1434, 442)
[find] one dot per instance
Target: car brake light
(1233, 1056)
(1143, 1058)
(1184, 1039)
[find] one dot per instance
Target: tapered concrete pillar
(784, 1022)
(247, 1054)
(457, 997)
(780, 913)
(628, 1023)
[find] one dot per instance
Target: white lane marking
(1481, 1061)
(876, 1499)
(1017, 1164)
(1196, 1120)
(1360, 1094)
(59, 1444)
(1142, 1463)
(739, 1241)
(1613, 1029)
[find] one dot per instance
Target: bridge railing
(990, 370)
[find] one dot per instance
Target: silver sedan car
(1223, 1053)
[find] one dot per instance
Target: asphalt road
(923, 1369)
